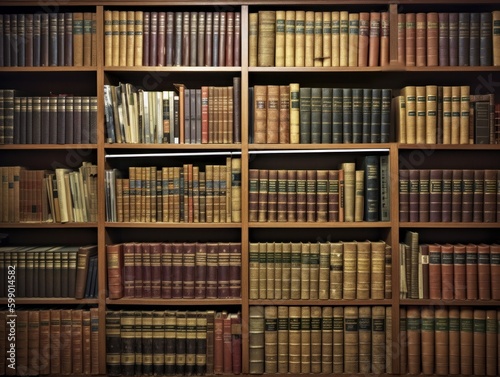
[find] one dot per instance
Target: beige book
(305, 339)
(359, 195)
(335, 39)
(353, 39)
(122, 39)
(379, 328)
(420, 115)
(300, 23)
(464, 114)
(455, 115)
(349, 169)
(115, 38)
(363, 270)
(270, 339)
(260, 114)
(388, 339)
(351, 339)
(253, 266)
(313, 270)
(266, 38)
(294, 338)
(327, 339)
(295, 276)
(256, 342)
(290, 38)
(235, 190)
(324, 270)
(309, 39)
(411, 113)
(108, 41)
(270, 251)
(400, 114)
(318, 39)
(431, 114)
(286, 255)
(327, 39)
(294, 113)
(350, 270)
(130, 35)
(253, 31)
(262, 270)
(377, 270)
(278, 272)
(316, 341)
(279, 59)
(336, 270)
(338, 339)
(365, 339)
(446, 114)
(139, 38)
(283, 339)
(305, 270)
(344, 39)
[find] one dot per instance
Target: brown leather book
(237, 40)
(443, 39)
(384, 39)
(310, 195)
(65, 341)
(260, 114)
(363, 263)
(471, 268)
(228, 347)
(349, 270)
(76, 340)
(273, 114)
(336, 263)
(180, 342)
(365, 339)
(435, 284)
(364, 38)
(404, 198)
(284, 114)
(186, 46)
(479, 342)
(495, 270)
(266, 38)
(402, 38)
(496, 37)
(446, 195)
(351, 340)
(262, 196)
(427, 336)
(272, 195)
(146, 270)
(447, 272)
(459, 272)
(435, 195)
(221, 49)
(454, 340)
(456, 196)
(421, 39)
(467, 194)
(318, 40)
(410, 45)
(338, 339)
(483, 272)
(413, 194)
(377, 269)
(253, 27)
(447, 109)
(374, 40)
(230, 37)
(453, 38)
(478, 206)
(441, 341)
(432, 39)
(413, 328)
(271, 339)
(83, 257)
(115, 267)
(256, 339)
(491, 342)
(489, 212)
(423, 195)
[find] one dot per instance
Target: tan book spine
(235, 190)
(305, 270)
(256, 342)
(455, 115)
(253, 32)
(115, 38)
(464, 114)
(336, 270)
(278, 270)
(491, 342)
(363, 270)
(286, 255)
(447, 108)
(365, 339)
(349, 169)
(316, 341)
(283, 326)
(270, 270)
(335, 39)
(420, 114)
(294, 113)
(377, 270)
(139, 38)
(279, 58)
(413, 327)
(344, 39)
(309, 39)
(411, 113)
(338, 339)
(350, 270)
(466, 340)
(266, 38)
(318, 39)
(324, 271)
(364, 38)
(294, 337)
(130, 32)
(359, 195)
(271, 339)
(353, 39)
(305, 339)
(479, 342)
(427, 340)
(260, 114)
(290, 38)
(327, 339)
(314, 270)
(108, 42)
(295, 268)
(379, 330)
(273, 114)
(351, 339)
(300, 23)
(262, 270)
(284, 114)
(327, 39)
(421, 39)
(442, 355)
(253, 265)
(431, 114)
(122, 40)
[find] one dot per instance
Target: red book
(228, 347)
(219, 343)
(128, 270)
(456, 196)
(446, 272)
(435, 195)
(155, 270)
(230, 34)
(495, 271)
(200, 271)
(235, 270)
(483, 272)
(421, 39)
(423, 195)
(188, 270)
(490, 192)
(404, 204)
(435, 271)
(146, 270)
(166, 270)
(479, 342)
(410, 39)
(446, 195)
(223, 271)
(236, 342)
(432, 39)
(459, 272)
(471, 271)
(114, 254)
(237, 40)
(467, 194)
(177, 251)
(212, 269)
(478, 196)
(413, 197)
(138, 273)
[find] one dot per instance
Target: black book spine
(347, 115)
(316, 115)
(326, 115)
(367, 115)
(337, 114)
(53, 39)
(385, 121)
(357, 115)
(305, 115)
(376, 116)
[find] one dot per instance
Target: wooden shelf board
(449, 302)
(171, 225)
(475, 147)
(173, 69)
(327, 302)
(174, 302)
(312, 225)
(50, 301)
(48, 225)
(448, 225)
(47, 146)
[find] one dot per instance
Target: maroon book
(443, 39)
(434, 271)
(200, 271)
(495, 271)
(212, 269)
(223, 270)
(467, 194)
(471, 271)
(235, 270)
(229, 39)
(153, 39)
(490, 192)
(435, 195)
(453, 38)
(446, 272)
(166, 270)
(138, 273)
(423, 195)
(128, 270)
(169, 40)
(456, 195)
(188, 270)
(155, 250)
(446, 195)
(236, 342)
(161, 31)
(413, 196)
(146, 38)
(228, 347)
(147, 274)
(237, 40)
(221, 51)
(478, 196)
(177, 251)
(483, 272)
(404, 195)
(459, 272)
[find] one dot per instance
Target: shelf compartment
(319, 148)
(458, 147)
(175, 302)
(172, 69)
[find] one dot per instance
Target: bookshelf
(394, 75)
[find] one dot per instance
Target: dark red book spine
(423, 195)
(221, 51)
(413, 197)
(237, 40)
(404, 198)
(235, 270)
(446, 195)
(128, 270)
(223, 271)
(155, 270)
(483, 272)
(456, 196)
(478, 196)
(435, 195)
(467, 194)
(153, 39)
(208, 38)
(471, 271)
(138, 273)
(161, 31)
(453, 38)
(147, 274)
(146, 38)
(228, 347)
(200, 273)
(188, 270)
(166, 270)
(236, 342)
(177, 251)
(495, 271)
(443, 39)
(459, 272)
(212, 269)
(229, 39)
(446, 272)
(434, 271)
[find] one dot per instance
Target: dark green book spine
(347, 115)
(337, 102)
(316, 115)
(326, 115)
(385, 121)
(357, 115)
(376, 115)
(372, 187)
(305, 115)
(367, 115)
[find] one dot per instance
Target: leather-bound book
(467, 194)
(421, 39)
(478, 196)
(483, 272)
(335, 38)
(443, 39)
(423, 195)
(297, 58)
(338, 339)
(212, 270)
(256, 339)
(344, 39)
(420, 108)
(378, 342)
(357, 115)
(442, 342)
(371, 167)
(474, 23)
(146, 270)
(495, 270)
(337, 114)
(305, 339)
(432, 39)
(404, 195)
(496, 37)
(237, 40)
(260, 114)
(266, 38)
(129, 269)
(177, 270)
(294, 113)
(353, 39)
(272, 114)
(193, 38)
(413, 329)
(209, 27)
(463, 38)
(347, 115)
(178, 40)
(447, 113)
(78, 43)
(363, 262)
(431, 93)
(459, 272)
(349, 270)
(435, 195)
(253, 195)
(413, 194)
(428, 340)
(115, 268)
(456, 195)
(403, 341)
(351, 340)
(316, 115)
(272, 195)
(384, 39)
(284, 114)
(200, 277)
(336, 271)
(292, 195)
(491, 342)
(377, 269)
(253, 27)
(230, 36)
(333, 195)
(83, 258)
(453, 38)
(446, 198)
(271, 339)
(471, 268)
(305, 270)
(326, 340)
(169, 342)
(364, 37)
(435, 284)
(262, 195)
(318, 39)
(185, 37)
(223, 270)
(309, 39)
(447, 279)
(180, 342)
(191, 342)
(327, 39)
(464, 114)
(388, 272)
(201, 343)
(221, 50)
(87, 39)
(410, 45)
(479, 342)
(305, 115)
(279, 58)
(402, 38)
(374, 39)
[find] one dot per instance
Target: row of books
(336, 270)
(174, 270)
(294, 114)
(51, 342)
(51, 271)
(314, 339)
(448, 39)
(185, 116)
(57, 196)
(434, 114)
(449, 271)
(299, 38)
(348, 194)
(137, 38)
(444, 195)
(48, 39)
(172, 342)
(449, 341)
(176, 194)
